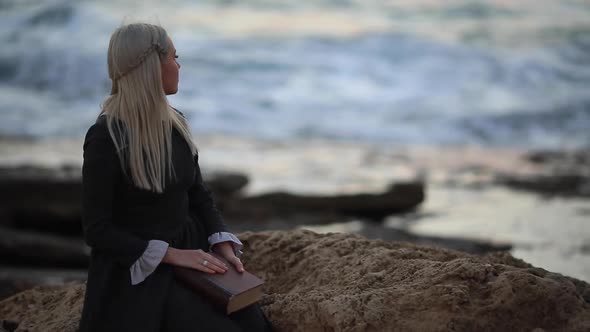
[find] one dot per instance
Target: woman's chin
(171, 91)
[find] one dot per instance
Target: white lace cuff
(147, 263)
(226, 236)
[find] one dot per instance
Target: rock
(562, 173)
(347, 283)
(50, 199)
(471, 246)
(571, 185)
(25, 247)
(570, 159)
(400, 197)
(56, 308)
(226, 184)
(342, 282)
(46, 199)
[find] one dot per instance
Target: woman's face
(170, 70)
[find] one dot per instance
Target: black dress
(118, 221)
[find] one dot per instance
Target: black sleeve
(202, 205)
(100, 171)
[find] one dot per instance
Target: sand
(344, 282)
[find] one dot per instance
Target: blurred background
(485, 105)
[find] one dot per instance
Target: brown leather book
(229, 291)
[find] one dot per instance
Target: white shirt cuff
(147, 263)
(226, 236)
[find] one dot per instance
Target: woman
(145, 207)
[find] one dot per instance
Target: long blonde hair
(139, 118)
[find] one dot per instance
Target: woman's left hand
(226, 250)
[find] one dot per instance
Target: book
(229, 291)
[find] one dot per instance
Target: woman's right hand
(194, 258)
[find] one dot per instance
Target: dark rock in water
(42, 198)
(50, 199)
(562, 173)
(477, 247)
(24, 247)
(226, 183)
(550, 185)
(565, 158)
(400, 197)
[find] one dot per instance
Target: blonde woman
(145, 207)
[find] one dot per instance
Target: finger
(215, 263)
(238, 264)
(205, 269)
(212, 262)
(211, 266)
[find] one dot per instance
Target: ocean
(487, 73)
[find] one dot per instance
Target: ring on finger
(205, 262)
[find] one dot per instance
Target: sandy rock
(338, 282)
(46, 308)
(15, 279)
(342, 282)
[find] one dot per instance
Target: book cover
(229, 291)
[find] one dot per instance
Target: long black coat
(118, 221)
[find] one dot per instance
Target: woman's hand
(194, 259)
(226, 250)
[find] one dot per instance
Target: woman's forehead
(171, 43)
